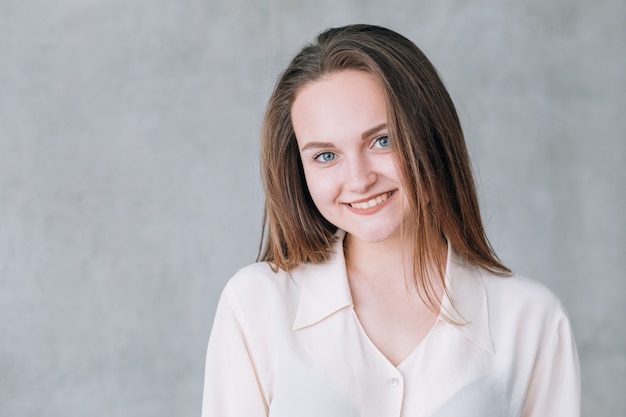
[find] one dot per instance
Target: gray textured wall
(129, 190)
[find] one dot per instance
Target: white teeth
(371, 203)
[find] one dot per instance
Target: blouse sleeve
(231, 385)
(555, 384)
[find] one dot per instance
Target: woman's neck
(390, 261)
(389, 307)
(373, 261)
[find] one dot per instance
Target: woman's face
(340, 122)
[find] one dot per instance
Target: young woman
(377, 293)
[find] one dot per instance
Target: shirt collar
(466, 301)
(324, 287)
(324, 290)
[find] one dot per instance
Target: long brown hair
(428, 143)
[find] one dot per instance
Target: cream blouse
(290, 345)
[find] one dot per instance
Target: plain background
(129, 188)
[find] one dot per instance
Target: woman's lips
(370, 203)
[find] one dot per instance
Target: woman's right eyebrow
(317, 145)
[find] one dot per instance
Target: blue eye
(382, 142)
(325, 156)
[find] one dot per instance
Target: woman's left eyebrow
(368, 133)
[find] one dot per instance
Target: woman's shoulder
(258, 276)
(520, 297)
(520, 287)
(259, 286)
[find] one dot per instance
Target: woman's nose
(359, 176)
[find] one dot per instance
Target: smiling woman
(377, 292)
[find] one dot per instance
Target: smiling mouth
(372, 202)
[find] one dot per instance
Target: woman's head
(424, 133)
(349, 163)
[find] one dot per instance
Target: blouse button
(393, 382)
